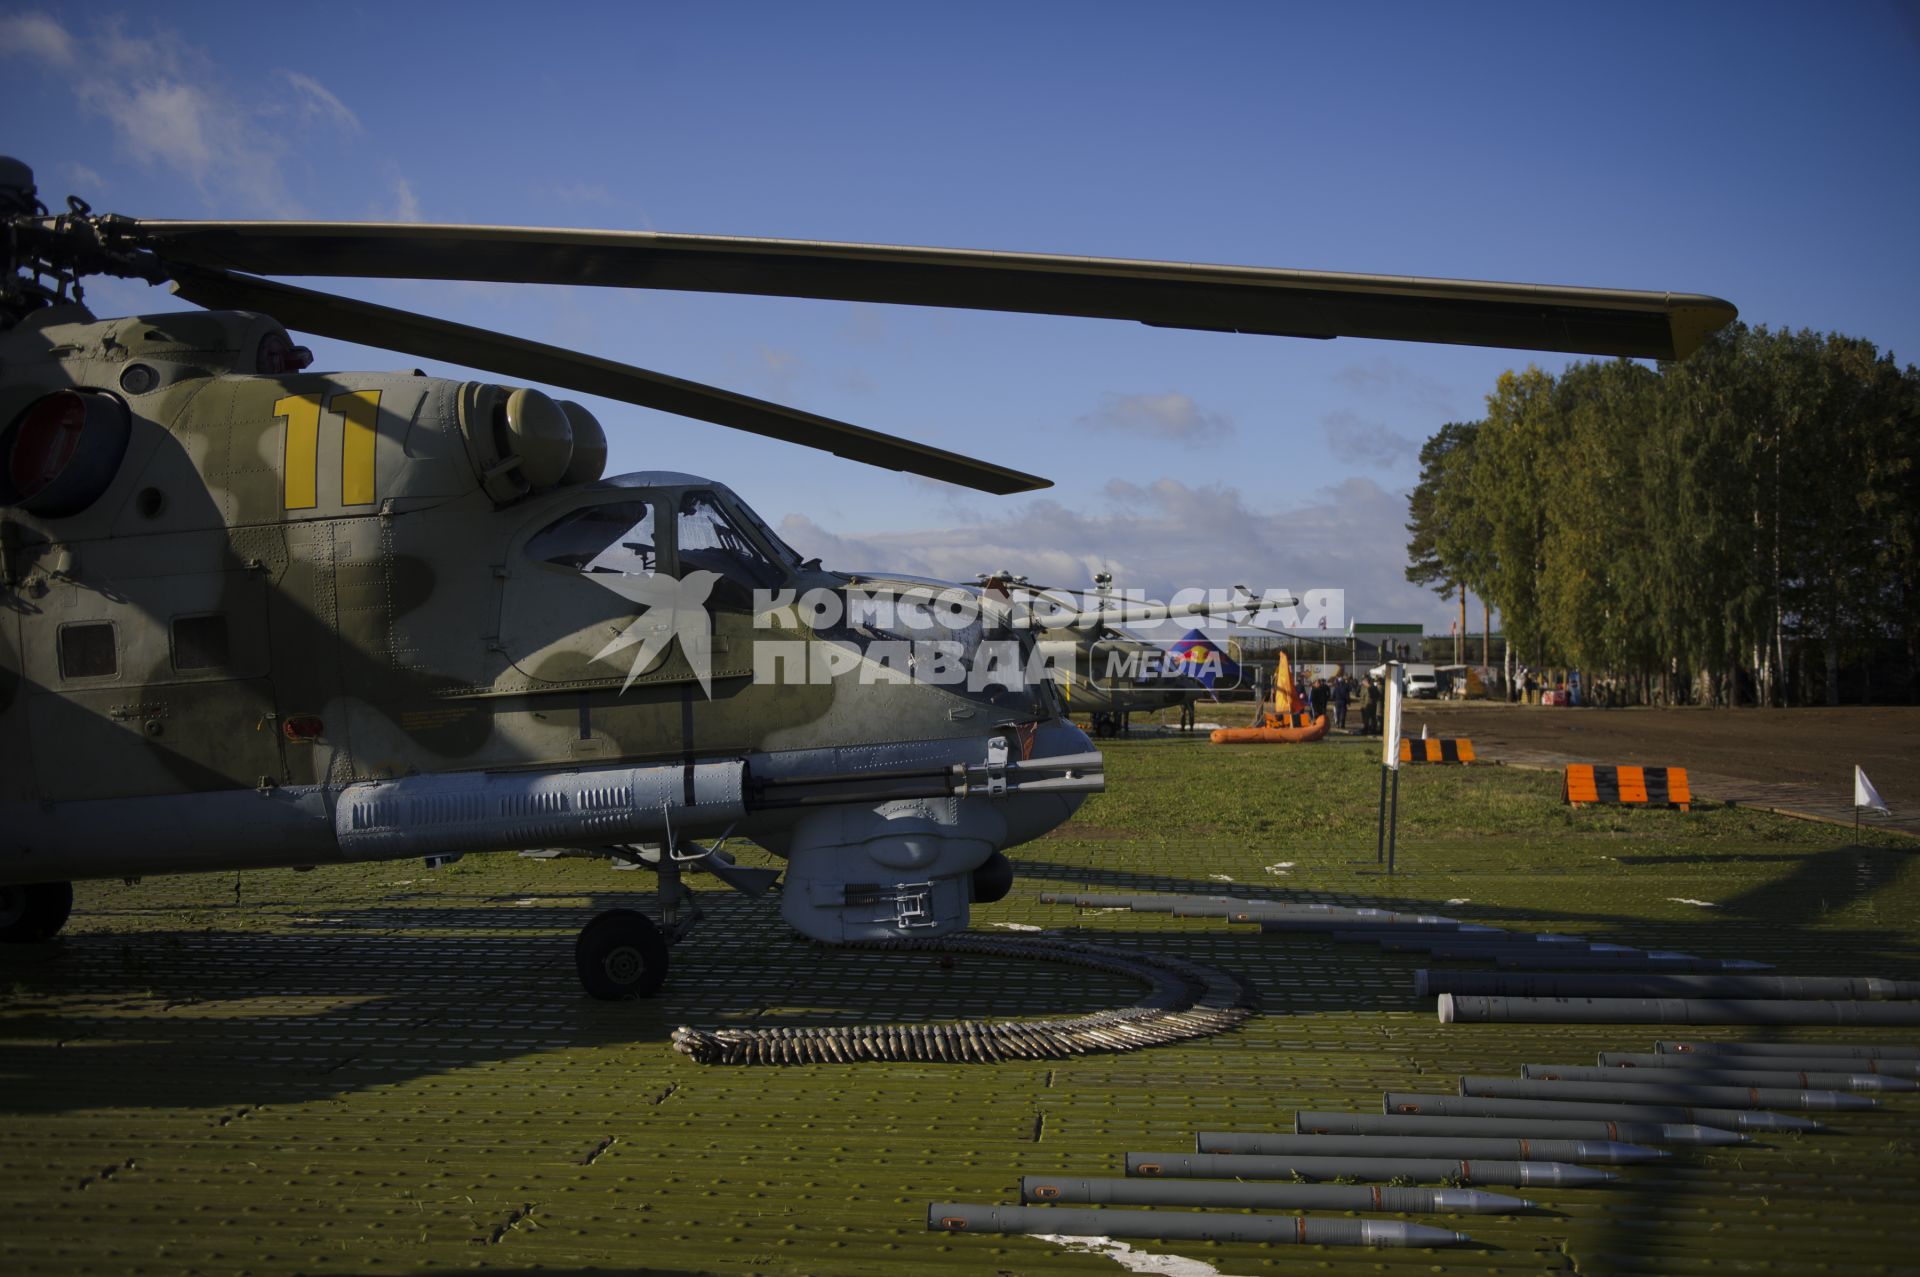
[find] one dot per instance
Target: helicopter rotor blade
(1246, 299)
(1125, 612)
(403, 331)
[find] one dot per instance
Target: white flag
(1865, 795)
(1390, 747)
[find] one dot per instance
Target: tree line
(1734, 528)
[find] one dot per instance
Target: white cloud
(171, 107)
(1168, 416)
(406, 206)
(168, 120)
(83, 178)
(1162, 537)
(1360, 442)
(36, 35)
(1388, 377)
(317, 100)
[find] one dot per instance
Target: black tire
(992, 880)
(621, 955)
(34, 912)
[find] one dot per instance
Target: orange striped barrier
(1634, 786)
(1436, 750)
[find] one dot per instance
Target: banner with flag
(1204, 661)
(1286, 694)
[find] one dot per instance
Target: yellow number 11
(359, 412)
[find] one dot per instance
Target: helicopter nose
(1058, 737)
(1030, 815)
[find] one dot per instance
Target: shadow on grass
(361, 996)
(233, 1020)
(1751, 924)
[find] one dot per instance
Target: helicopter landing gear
(673, 895)
(621, 955)
(992, 880)
(34, 912)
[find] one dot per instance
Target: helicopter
(259, 616)
(1106, 671)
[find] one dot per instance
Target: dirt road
(1817, 747)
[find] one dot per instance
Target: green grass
(383, 1068)
(1500, 838)
(1329, 792)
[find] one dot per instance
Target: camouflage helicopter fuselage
(297, 618)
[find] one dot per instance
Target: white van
(1423, 683)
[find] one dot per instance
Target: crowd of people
(1336, 696)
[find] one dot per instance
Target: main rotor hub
(48, 256)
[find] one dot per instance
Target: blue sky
(1761, 153)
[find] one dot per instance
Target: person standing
(1369, 706)
(1342, 690)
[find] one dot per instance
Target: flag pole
(1393, 819)
(1390, 761)
(1380, 850)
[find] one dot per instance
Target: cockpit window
(767, 535)
(614, 537)
(711, 539)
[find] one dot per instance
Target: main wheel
(620, 955)
(34, 912)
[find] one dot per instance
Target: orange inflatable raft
(1285, 722)
(1270, 735)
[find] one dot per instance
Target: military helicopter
(263, 616)
(1108, 672)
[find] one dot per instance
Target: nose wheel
(621, 955)
(35, 911)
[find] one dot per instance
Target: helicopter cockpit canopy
(639, 525)
(588, 561)
(610, 536)
(617, 527)
(711, 534)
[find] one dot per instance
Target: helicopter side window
(711, 539)
(87, 651)
(616, 536)
(200, 642)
